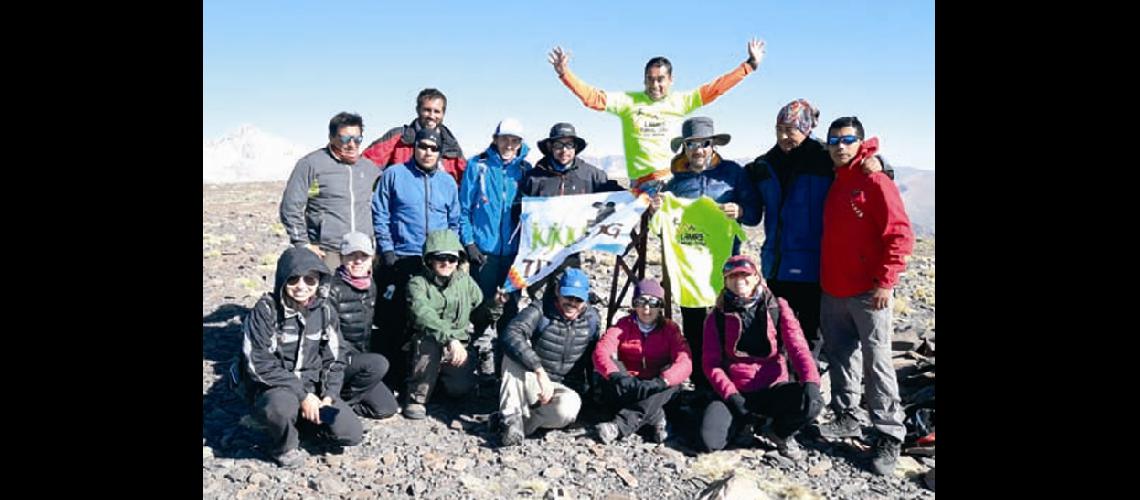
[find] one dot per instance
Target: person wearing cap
(649, 118)
(440, 300)
(488, 203)
(792, 180)
(561, 172)
(698, 171)
(745, 340)
(866, 239)
(353, 294)
(293, 358)
(411, 200)
(644, 359)
(546, 354)
(328, 192)
(398, 144)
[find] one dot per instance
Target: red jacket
(866, 233)
(731, 371)
(396, 147)
(644, 356)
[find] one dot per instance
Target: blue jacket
(408, 204)
(725, 182)
(791, 188)
(486, 196)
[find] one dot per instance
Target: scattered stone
(625, 476)
(928, 480)
(554, 472)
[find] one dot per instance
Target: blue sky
(288, 66)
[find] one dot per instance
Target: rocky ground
(453, 453)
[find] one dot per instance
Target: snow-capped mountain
(249, 154)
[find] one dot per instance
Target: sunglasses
(427, 147)
(847, 139)
(573, 300)
(738, 266)
(647, 301)
(309, 280)
(450, 259)
(698, 144)
(561, 145)
(345, 139)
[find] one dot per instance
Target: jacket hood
(442, 240)
(297, 261)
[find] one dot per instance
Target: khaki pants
(518, 394)
(428, 368)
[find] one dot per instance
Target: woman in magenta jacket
(644, 358)
(744, 360)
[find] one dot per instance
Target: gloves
(623, 384)
(474, 255)
(646, 388)
(736, 405)
(389, 258)
(813, 400)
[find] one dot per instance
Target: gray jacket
(326, 199)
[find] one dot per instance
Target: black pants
(786, 403)
(693, 326)
(280, 411)
(364, 390)
(804, 299)
(631, 414)
(391, 317)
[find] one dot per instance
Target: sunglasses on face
(698, 144)
(573, 300)
(450, 259)
(738, 266)
(561, 145)
(427, 147)
(345, 139)
(309, 280)
(647, 301)
(847, 140)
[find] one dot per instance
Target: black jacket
(578, 178)
(354, 308)
(299, 350)
(540, 336)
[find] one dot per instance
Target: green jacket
(442, 311)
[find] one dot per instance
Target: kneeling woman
(745, 363)
(644, 358)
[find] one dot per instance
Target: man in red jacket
(866, 238)
(396, 146)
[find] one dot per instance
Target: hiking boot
(787, 447)
(607, 432)
(415, 411)
(660, 432)
(845, 425)
(511, 432)
(886, 452)
(290, 459)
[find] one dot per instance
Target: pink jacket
(730, 371)
(644, 356)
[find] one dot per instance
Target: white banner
(557, 226)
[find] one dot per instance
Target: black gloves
(736, 405)
(389, 258)
(623, 384)
(646, 388)
(474, 255)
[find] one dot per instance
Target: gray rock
(554, 472)
(258, 479)
(327, 484)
